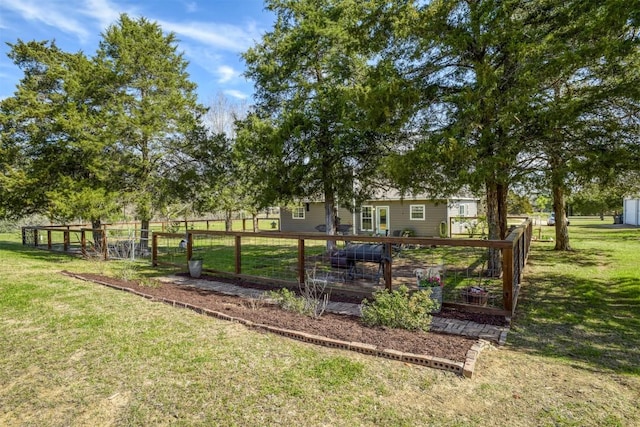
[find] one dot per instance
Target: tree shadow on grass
(53, 257)
(588, 320)
(546, 257)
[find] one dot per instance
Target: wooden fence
(289, 258)
(101, 243)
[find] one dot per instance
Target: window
(462, 210)
(298, 212)
(417, 212)
(366, 218)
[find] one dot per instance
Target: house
(631, 211)
(387, 214)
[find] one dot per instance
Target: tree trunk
(329, 218)
(97, 232)
(254, 217)
(502, 191)
(494, 265)
(228, 224)
(562, 231)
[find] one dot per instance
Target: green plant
(399, 309)
(288, 300)
(312, 301)
(429, 282)
(148, 282)
(128, 271)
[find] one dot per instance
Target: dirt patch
(334, 326)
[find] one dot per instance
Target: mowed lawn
(76, 353)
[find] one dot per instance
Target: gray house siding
(313, 216)
(398, 216)
(427, 227)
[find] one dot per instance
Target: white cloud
(104, 12)
(191, 7)
(51, 13)
(221, 36)
(226, 73)
(235, 94)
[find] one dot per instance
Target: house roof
(395, 195)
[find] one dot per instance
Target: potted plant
(195, 267)
(475, 295)
(435, 284)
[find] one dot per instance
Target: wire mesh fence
(132, 244)
(358, 264)
(349, 263)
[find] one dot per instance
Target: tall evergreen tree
(307, 138)
(485, 72)
(579, 121)
(154, 106)
(62, 161)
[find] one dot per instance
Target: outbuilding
(631, 211)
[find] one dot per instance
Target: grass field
(75, 353)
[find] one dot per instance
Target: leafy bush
(288, 300)
(399, 309)
(312, 301)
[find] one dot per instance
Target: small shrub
(314, 294)
(254, 303)
(288, 300)
(147, 282)
(128, 271)
(399, 309)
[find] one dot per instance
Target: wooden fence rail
(306, 249)
(514, 250)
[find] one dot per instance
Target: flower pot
(474, 295)
(195, 268)
(436, 295)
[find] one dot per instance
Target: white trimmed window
(298, 212)
(366, 218)
(462, 210)
(416, 212)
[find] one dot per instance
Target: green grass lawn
(75, 353)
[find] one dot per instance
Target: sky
(212, 34)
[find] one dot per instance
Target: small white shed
(631, 211)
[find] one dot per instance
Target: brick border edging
(465, 369)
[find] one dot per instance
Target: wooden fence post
(507, 278)
(238, 250)
(301, 270)
(49, 240)
(83, 243)
(386, 265)
(189, 245)
(65, 238)
(35, 237)
(105, 251)
(154, 250)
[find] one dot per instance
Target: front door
(382, 220)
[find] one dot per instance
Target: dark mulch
(487, 319)
(334, 326)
